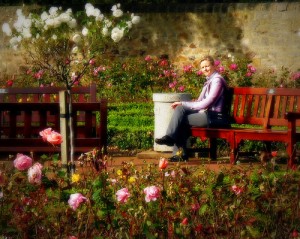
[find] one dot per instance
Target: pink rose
(274, 153)
(54, 138)
(35, 174)
(187, 68)
(22, 162)
(251, 68)
(163, 163)
(233, 67)
(195, 206)
(181, 88)
(221, 69)
(217, 62)
(172, 84)
(199, 73)
(75, 200)
(45, 133)
(123, 195)
(236, 189)
(295, 233)
(185, 221)
(295, 76)
(38, 75)
(10, 82)
(148, 58)
(163, 62)
(92, 61)
(248, 74)
(152, 193)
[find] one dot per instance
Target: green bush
(131, 126)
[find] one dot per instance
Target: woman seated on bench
(200, 113)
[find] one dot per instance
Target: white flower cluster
(22, 27)
(54, 18)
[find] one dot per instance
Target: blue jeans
(179, 127)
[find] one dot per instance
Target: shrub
(169, 201)
(131, 126)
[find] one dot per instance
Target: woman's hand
(175, 104)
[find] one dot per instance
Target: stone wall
(268, 32)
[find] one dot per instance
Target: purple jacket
(211, 96)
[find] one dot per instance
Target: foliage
(130, 126)
(156, 201)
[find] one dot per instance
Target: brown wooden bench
(26, 111)
(272, 113)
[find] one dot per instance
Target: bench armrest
(291, 116)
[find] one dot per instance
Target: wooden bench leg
(213, 148)
(233, 148)
(291, 151)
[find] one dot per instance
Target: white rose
(85, 31)
(75, 49)
(72, 23)
(117, 34)
(135, 19)
(105, 31)
(53, 11)
(76, 38)
(118, 13)
(6, 29)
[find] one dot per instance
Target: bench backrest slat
(249, 105)
(264, 106)
(47, 94)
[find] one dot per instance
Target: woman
(198, 113)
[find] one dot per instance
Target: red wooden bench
(274, 115)
(24, 112)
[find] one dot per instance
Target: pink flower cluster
(24, 162)
(250, 70)
(234, 67)
(296, 76)
(51, 136)
(99, 69)
(38, 75)
(152, 194)
(75, 200)
(188, 68)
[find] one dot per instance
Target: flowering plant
(236, 71)
(60, 46)
(168, 201)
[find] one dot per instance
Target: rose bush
(156, 201)
(60, 46)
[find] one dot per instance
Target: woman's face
(207, 68)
